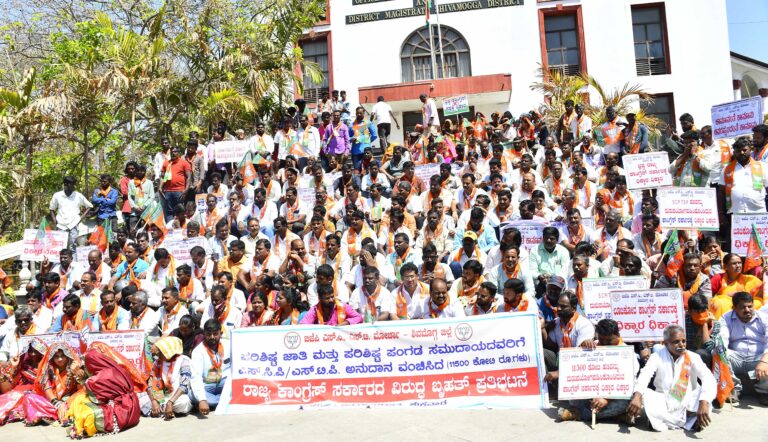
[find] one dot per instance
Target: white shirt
(431, 117)
(667, 372)
(234, 317)
(611, 241)
(270, 213)
(310, 141)
(421, 310)
(342, 294)
(73, 273)
(274, 192)
(250, 243)
(380, 113)
(262, 143)
(201, 363)
(711, 159)
(148, 323)
(581, 126)
(68, 209)
(744, 197)
(272, 264)
(583, 330)
(498, 276)
(385, 302)
(167, 324)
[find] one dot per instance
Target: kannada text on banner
(647, 170)
(491, 360)
(47, 245)
(606, 372)
(597, 294)
(230, 151)
(741, 229)
(730, 120)
(426, 171)
(643, 315)
(455, 105)
(688, 208)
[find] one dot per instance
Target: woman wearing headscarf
(17, 378)
(168, 389)
(54, 380)
(109, 403)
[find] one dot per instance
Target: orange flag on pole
(754, 251)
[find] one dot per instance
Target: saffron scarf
(567, 329)
(169, 315)
(108, 323)
(521, 306)
(757, 178)
(677, 392)
(434, 312)
(371, 302)
(341, 314)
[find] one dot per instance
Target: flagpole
(440, 38)
(432, 50)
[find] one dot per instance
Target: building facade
(678, 50)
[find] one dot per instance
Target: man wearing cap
(430, 117)
(688, 170)
(467, 250)
(548, 302)
(383, 116)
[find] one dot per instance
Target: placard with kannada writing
(530, 232)
(643, 315)
(47, 245)
(455, 105)
(230, 151)
(597, 294)
(82, 252)
(741, 229)
(426, 171)
(180, 248)
(477, 362)
(730, 120)
(647, 170)
(688, 208)
(606, 372)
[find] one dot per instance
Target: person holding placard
(684, 386)
(714, 154)
(689, 279)
(607, 334)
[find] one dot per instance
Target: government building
(492, 51)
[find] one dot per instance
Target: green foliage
(106, 80)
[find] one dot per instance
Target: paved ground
(745, 422)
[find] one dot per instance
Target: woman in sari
(725, 285)
(17, 378)
(109, 403)
(169, 381)
(259, 314)
(54, 381)
(291, 309)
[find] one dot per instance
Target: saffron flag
(754, 251)
(721, 369)
(247, 169)
(102, 236)
(153, 214)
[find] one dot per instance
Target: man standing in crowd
(66, 208)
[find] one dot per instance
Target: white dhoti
(666, 413)
(182, 405)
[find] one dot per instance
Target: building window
(563, 51)
(649, 29)
(662, 107)
(748, 87)
(416, 58)
(316, 51)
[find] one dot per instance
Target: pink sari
(22, 403)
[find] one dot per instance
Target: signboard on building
(418, 11)
(455, 105)
(736, 118)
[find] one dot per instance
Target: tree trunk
(86, 154)
(27, 179)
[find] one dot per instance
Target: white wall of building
(506, 40)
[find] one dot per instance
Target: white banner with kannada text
(643, 315)
(597, 294)
(230, 151)
(741, 229)
(730, 120)
(477, 362)
(606, 372)
(688, 208)
(180, 248)
(426, 171)
(647, 170)
(47, 245)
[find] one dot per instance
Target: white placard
(643, 315)
(688, 208)
(179, 248)
(606, 372)
(647, 170)
(597, 294)
(741, 229)
(230, 151)
(730, 120)
(426, 171)
(82, 254)
(47, 245)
